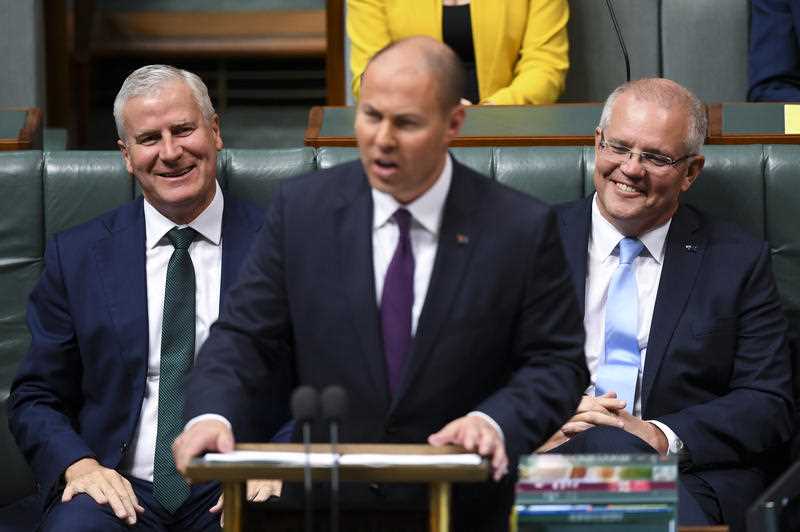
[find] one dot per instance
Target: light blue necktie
(620, 369)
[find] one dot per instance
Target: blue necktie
(177, 355)
(620, 369)
(397, 302)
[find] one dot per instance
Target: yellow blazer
(521, 47)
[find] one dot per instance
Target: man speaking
(439, 299)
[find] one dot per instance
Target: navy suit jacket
(774, 59)
(79, 390)
(499, 332)
(717, 370)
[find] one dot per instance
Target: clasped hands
(473, 433)
(606, 410)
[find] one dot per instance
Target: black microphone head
(334, 403)
(305, 404)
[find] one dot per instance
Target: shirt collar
(208, 223)
(605, 237)
(426, 209)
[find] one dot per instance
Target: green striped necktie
(177, 354)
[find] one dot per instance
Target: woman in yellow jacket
(520, 46)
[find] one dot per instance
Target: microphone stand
(305, 409)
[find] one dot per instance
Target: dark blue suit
(717, 370)
(499, 332)
(79, 390)
(774, 59)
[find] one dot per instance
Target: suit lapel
(121, 264)
(576, 220)
(684, 253)
(459, 235)
(354, 219)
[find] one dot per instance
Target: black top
(457, 34)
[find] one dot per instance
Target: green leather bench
(41, 193)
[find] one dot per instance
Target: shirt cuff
(204, 417)
(676, 447)
(491, 422)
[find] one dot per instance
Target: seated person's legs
(603, 439)
(82, 514)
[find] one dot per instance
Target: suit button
(123, 447)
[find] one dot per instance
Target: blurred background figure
(514, 51)
(774, 60)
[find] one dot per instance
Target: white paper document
(326, 459)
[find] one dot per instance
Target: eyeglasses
(646, 159)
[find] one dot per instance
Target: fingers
(121, 506)
(207, 435)
(606, 403)
(598, 418)
(105, 486)
(475, 434)
(571, 428)
(261, 490)
(217, 507)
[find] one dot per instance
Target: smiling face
(401, 126)
(633, 198)
(172, 151)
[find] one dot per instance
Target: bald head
(669, 95)
(421, 54)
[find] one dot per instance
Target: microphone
(619, 37)
(305, 410)
(334, 407)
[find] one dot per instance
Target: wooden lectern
(233, 475)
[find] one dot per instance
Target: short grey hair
(149, 80)
(667, 94)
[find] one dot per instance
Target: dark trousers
(83, 514)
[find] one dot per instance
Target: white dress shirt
(426, 220)
(603, 262)
(206, 254)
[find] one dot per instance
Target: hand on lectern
(477, 435)
(207, 435)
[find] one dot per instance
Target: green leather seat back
(782, 184)
(596, 62)
(704, 47)
(255, 174)
(731, 186)
(21, 242)
(79, 185)
(552, 174)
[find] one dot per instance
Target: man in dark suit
(774, 56)
(117, 315)
(685, 334)
(439, 299)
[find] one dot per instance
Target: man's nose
(171, 150)
(632, 166)
(384, 137)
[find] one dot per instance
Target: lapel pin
(691, 247)
(462, 239)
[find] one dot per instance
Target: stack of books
(558, 493)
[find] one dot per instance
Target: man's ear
(215, 130)
(455, 122)
(123, 148)
(693, 172)
(597, 133)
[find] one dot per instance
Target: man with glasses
(685, 333)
